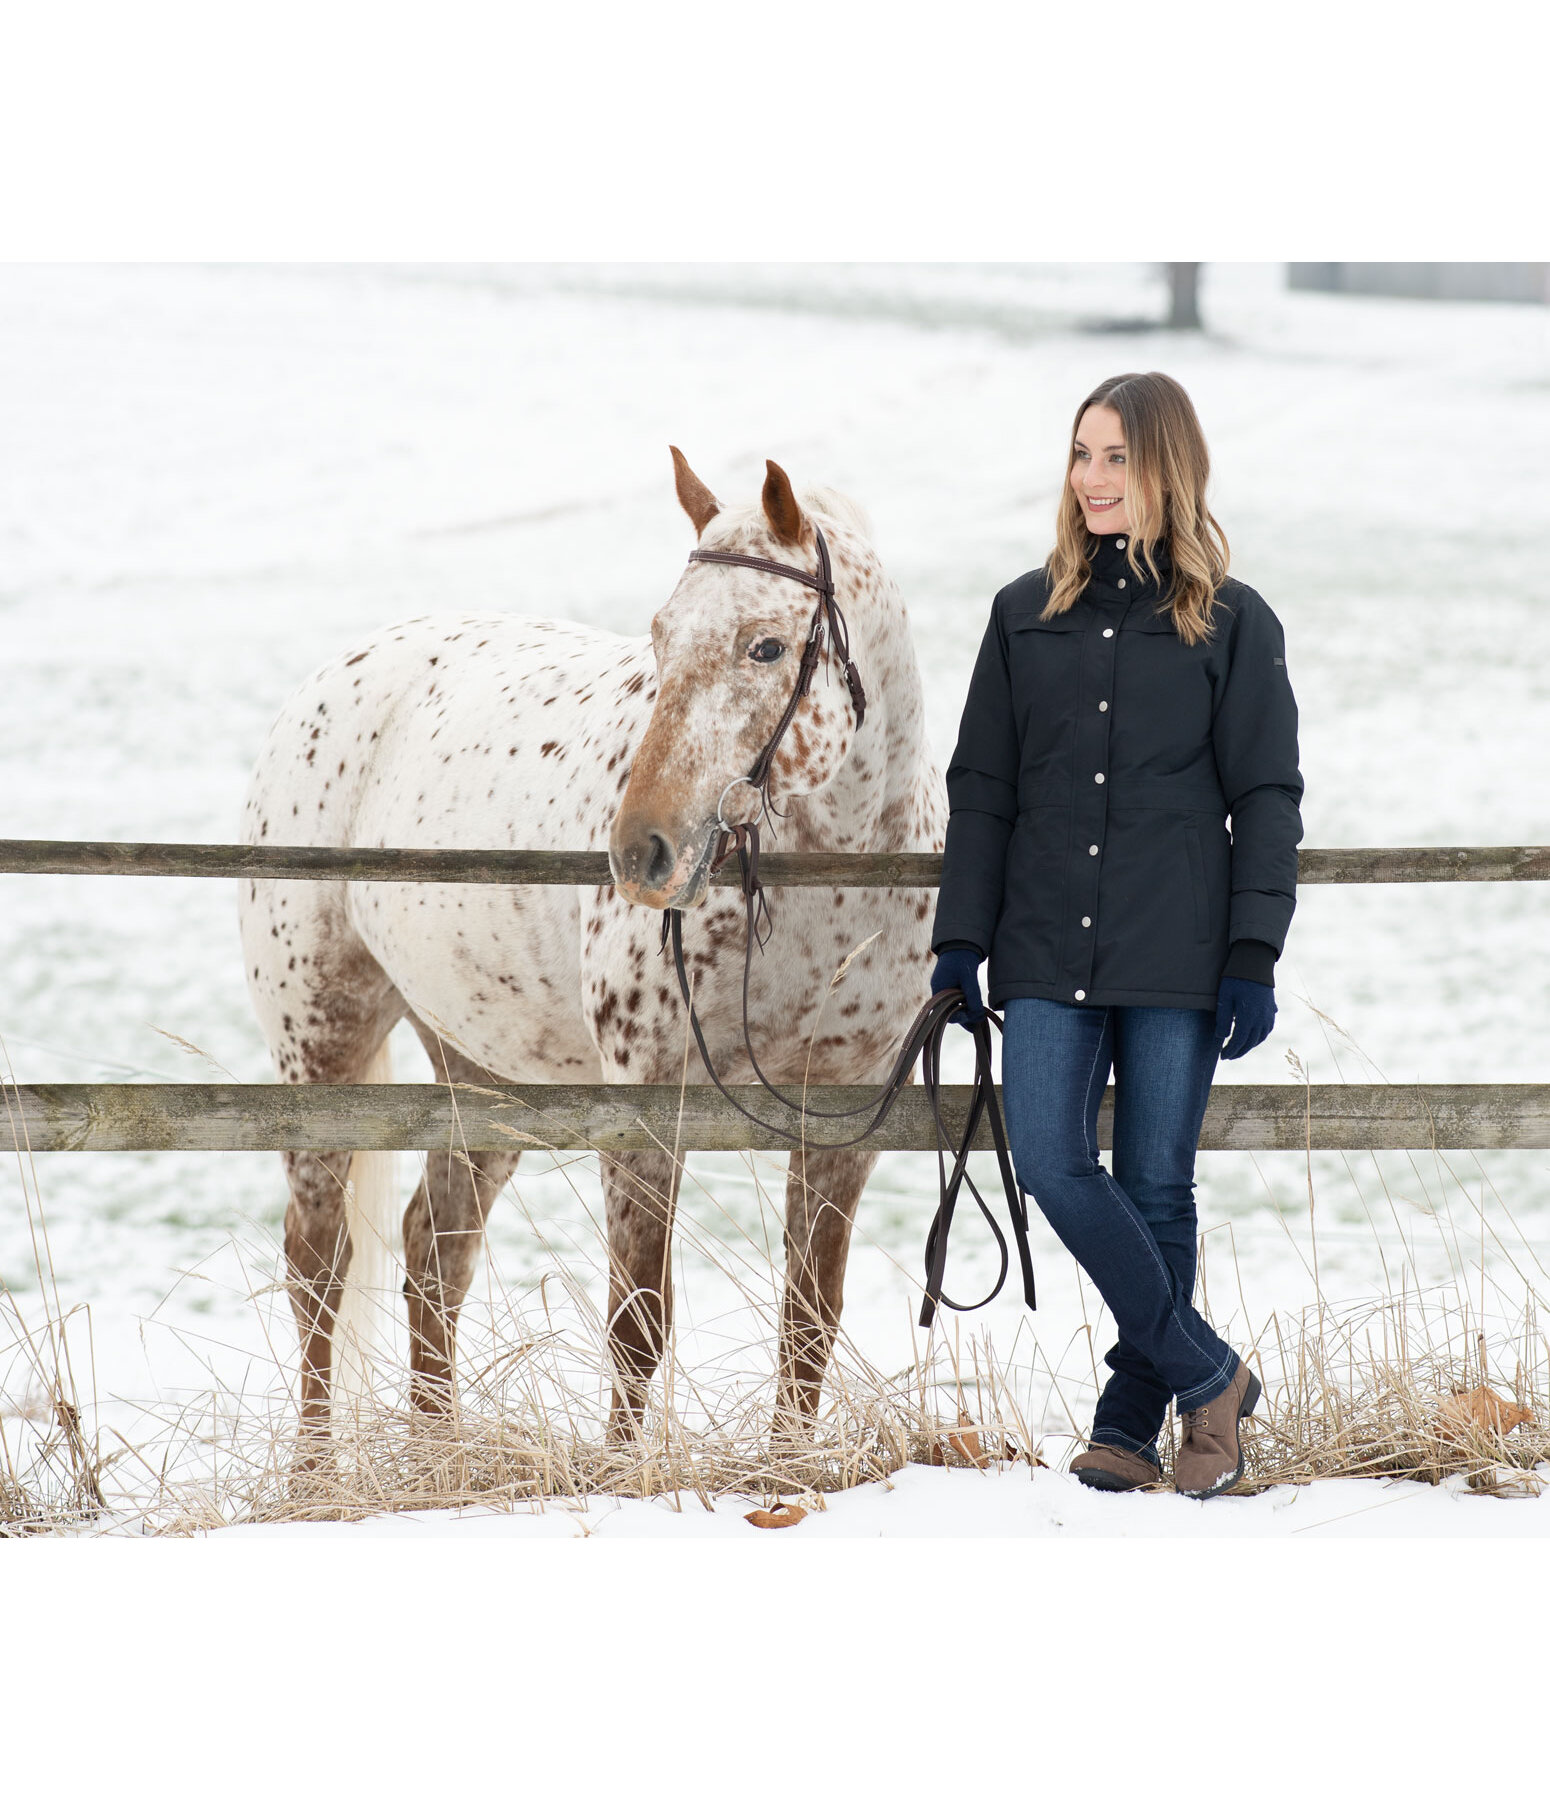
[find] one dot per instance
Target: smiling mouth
(1102, 505)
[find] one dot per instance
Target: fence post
(1184, 296)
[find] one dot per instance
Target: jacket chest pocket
(1162, 684)
(1044, 662)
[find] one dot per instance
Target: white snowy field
(921, 1502)
(213, 479)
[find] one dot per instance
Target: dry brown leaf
(777, 1517)
(1479, 1409)
(966, 1441)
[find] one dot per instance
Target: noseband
(924, 1037)
(745, 837)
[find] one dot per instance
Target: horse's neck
(875, 800)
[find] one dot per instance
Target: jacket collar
(1110, 560)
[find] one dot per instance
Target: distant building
(1427, 281)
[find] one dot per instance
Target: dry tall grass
(57, 1484)
(1350, 1390)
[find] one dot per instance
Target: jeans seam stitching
(1151, 1244)
(1126, 1441)
(1183, 1397)
(1138, 1225)
(1092, 1148)
(1188, 1400)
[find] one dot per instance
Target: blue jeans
(1132, 1231)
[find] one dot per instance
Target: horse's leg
(443, 1234)
(640, 1189)
(317, 1237)
(325, 1007)
(317, 1255)
(821, 1200)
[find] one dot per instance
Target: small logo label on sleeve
(1279, 661)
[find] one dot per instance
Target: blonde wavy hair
(1166, 470)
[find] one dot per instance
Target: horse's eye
(767, 650)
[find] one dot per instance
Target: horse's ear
(693, 496)
(786, 518)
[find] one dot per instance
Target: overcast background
(211, 480)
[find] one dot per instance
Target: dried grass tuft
(532, 1434)
(1392, 1390)
(51, 1466)
(1409, 1385)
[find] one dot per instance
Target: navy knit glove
(959, 968)
(1249, 1009)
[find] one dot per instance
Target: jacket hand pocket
(1197, 883)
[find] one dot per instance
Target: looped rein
(924, 1037)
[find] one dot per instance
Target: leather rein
(925, 1034)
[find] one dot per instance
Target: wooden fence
(589, 868)
(406, 1116)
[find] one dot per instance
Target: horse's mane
(827, 504)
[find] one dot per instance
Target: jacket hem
(1001, 992)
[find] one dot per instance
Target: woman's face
(1098, 470)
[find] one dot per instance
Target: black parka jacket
(1098, 762)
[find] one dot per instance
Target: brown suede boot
(1210, 1454)
(1114, 1470)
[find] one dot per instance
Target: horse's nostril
(660, 863)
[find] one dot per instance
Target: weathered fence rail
(164, 1116)
(589, 868)
(407, 1116)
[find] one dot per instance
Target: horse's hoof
(623, 1433)
(313, 1469)
(792, 1423)
(431, 1395)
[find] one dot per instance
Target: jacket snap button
(1098, 779)
(1081, 993)
(1121, 581)
(1108, 631)
(1103, 706)
(1086, 920)
(1119, 543)
(1092, 849)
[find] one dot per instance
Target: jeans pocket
(1197, 882)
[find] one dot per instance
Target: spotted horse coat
(497, 730)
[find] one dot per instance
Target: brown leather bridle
(924, 1037)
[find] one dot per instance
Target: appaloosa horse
(494, 730)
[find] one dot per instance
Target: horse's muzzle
(649, 869)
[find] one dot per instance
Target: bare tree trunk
(1184, 296)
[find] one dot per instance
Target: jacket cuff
(957, 944)
(1256, 912)
(1251, 960)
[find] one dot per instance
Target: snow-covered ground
(213, 479)
(920, 1502)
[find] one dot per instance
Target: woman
(1128, 698)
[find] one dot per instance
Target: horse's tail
(363, 1329)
